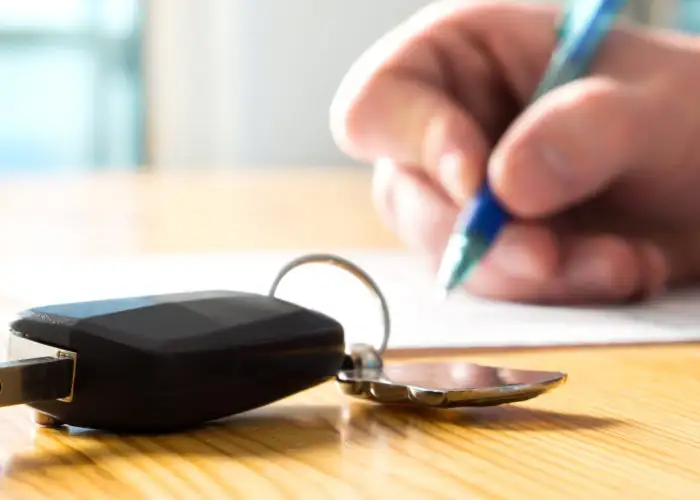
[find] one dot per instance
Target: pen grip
(485, 217)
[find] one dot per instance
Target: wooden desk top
(627, 424)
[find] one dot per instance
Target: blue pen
(585, 24)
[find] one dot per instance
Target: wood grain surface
(626, 425)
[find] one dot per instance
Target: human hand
(602, 175)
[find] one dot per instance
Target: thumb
(571, 144)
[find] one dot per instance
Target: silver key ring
(353, 269)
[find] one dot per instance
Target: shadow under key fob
(166, 362)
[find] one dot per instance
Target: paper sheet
(419, 318)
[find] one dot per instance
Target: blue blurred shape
(687, 17)
(71, 89)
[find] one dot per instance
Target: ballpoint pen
(583, 26)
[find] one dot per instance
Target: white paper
(419, 318)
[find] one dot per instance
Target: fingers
(439, 91)
(590, 269)
(571, 145)
(680, 251)
(412, 207)
(607, 268)
(430, 96)
(529, 262)
(432, 132)
(422, 216)
(434, 97)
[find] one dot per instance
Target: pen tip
(441, 294)
(447, 279)
(462, 254)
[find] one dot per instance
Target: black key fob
(160, 363)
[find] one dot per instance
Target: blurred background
(134, 84)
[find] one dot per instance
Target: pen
(583, 27)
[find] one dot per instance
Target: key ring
(363, 374)
(353, 269)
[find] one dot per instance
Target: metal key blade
(447, 384)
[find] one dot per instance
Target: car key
(167, 362)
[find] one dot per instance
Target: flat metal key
(163, 363)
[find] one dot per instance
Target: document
(419, 318)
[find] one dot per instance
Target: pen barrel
(485, 217)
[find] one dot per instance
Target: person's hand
(602, 175)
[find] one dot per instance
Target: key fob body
(165, 362)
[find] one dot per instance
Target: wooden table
(627, 424)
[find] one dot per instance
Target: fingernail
(452, 176)
(515, 258)
(588, 273)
